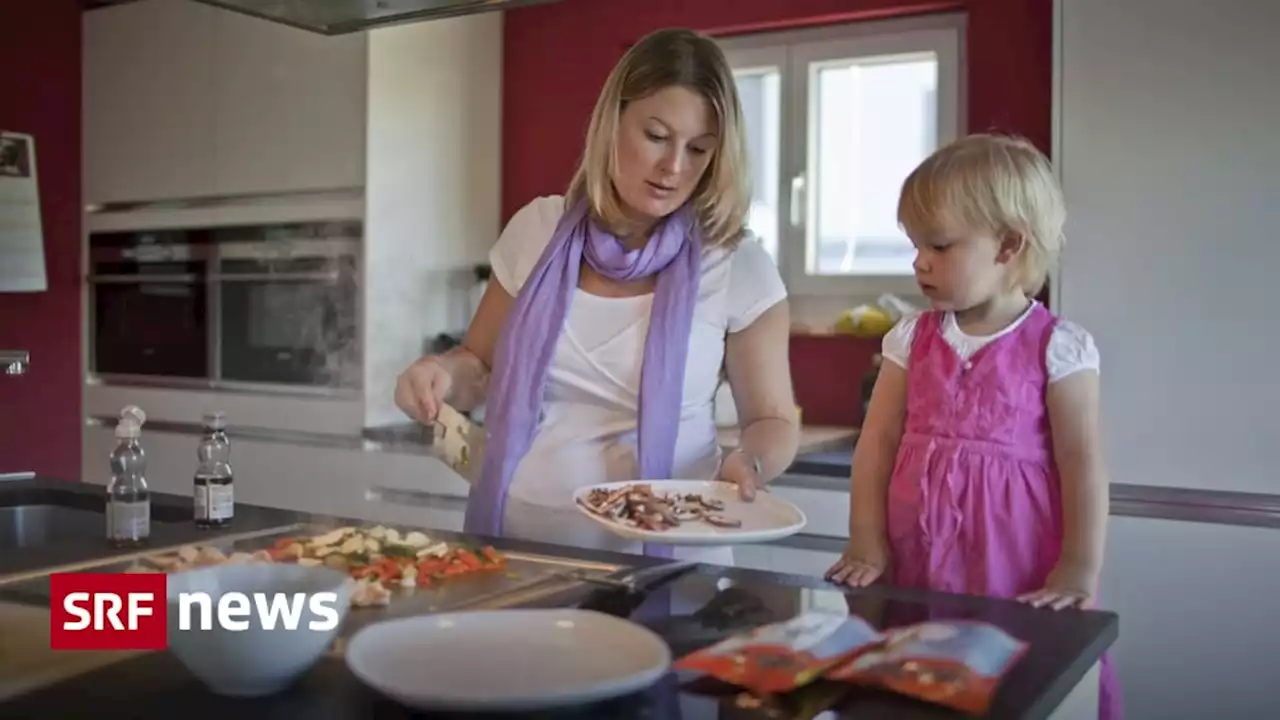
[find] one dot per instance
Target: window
(836, 117)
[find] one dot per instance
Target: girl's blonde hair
(995, 184)
(662, 59)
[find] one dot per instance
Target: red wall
(40, 94)
(556, 57)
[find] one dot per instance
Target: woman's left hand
(742, 470)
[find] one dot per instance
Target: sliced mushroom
(592, 507)
(668, 514)
(721, 521)
(614, 498)
(639, 506)
(688, 512)
(709, 503)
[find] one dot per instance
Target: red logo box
(108, 611)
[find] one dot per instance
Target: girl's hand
(861, 564)
(741, 470)
(1066, 586)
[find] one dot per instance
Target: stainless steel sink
(28, 526)
(46, 517)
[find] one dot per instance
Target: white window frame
(791, 52)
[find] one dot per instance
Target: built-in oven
(271, 307)
(288, 305)
(149, 304)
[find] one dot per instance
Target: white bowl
(257, 660)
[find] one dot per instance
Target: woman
(599, 343)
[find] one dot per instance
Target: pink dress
(974, 504)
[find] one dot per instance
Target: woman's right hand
(862, 563)
(422, 388)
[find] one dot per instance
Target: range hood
(338, 17)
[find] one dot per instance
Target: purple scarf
(529, 338)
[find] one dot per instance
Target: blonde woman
(598, 347)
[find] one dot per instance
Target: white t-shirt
(588, 432)
(1070, 348)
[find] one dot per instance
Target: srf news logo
(130, 611)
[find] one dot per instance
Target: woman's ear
(1011, 244)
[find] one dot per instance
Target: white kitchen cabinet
(186, 100)
(289, 107)
(148, 101)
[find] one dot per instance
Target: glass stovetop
(692, 612)
(702, 608)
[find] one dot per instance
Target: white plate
(766, 518)
(507, 660)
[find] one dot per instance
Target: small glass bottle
(128, 499)
(214, 490)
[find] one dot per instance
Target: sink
(45, 517)
(27, 526)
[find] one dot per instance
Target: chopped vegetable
(378, 559)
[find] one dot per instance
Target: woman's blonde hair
(995, 184)
(662, 59)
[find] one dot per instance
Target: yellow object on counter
(866, 321)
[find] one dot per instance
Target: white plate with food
(507, 660)
(688, 512)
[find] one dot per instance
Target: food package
(783, 656)
(953, 663)
(957, 664)
(874, 320)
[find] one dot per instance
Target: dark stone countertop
(699, 608)
(835, 465)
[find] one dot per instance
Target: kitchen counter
(833, 439)
(820, 446)
(702, 607)
(824, 463)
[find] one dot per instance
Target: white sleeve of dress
(896, 346)
(755, 285)
(522, 241)
(1071, 349)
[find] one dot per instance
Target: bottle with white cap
(214, 500)
(128, 499)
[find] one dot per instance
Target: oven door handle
(125, 279)
(330, 276)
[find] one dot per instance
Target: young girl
(979, 468)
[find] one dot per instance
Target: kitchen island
(699, 608)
